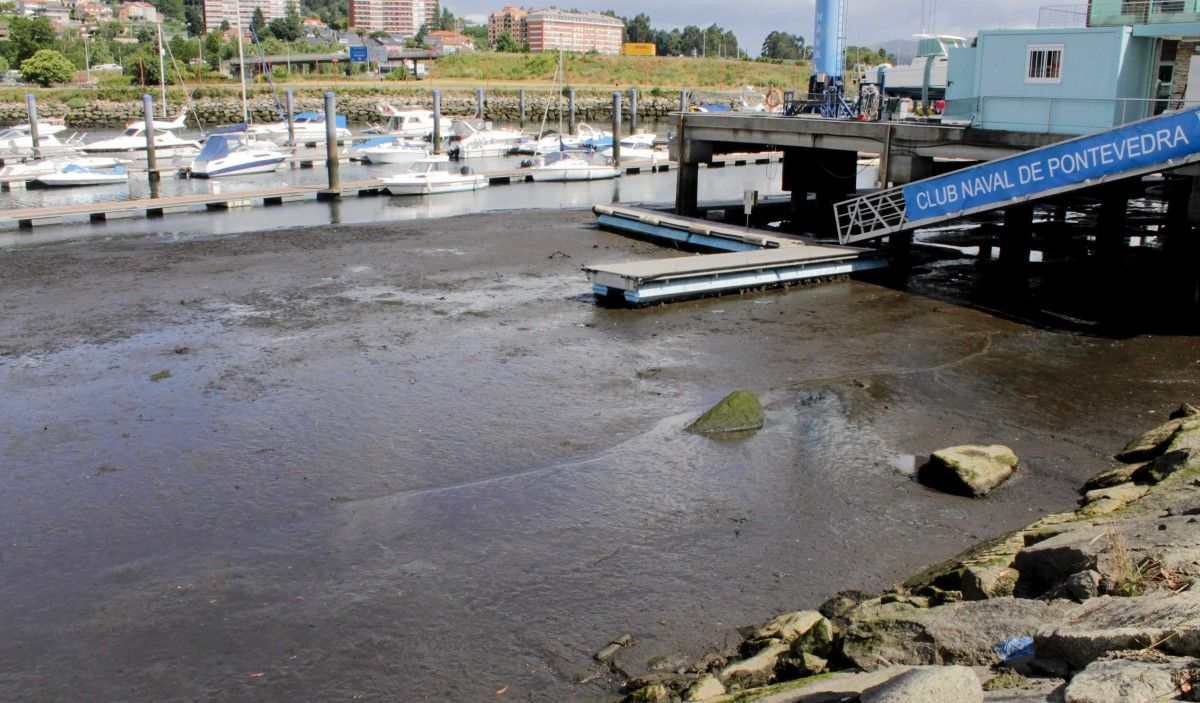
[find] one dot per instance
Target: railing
(1129, 12)
(879, 213)
(1061, 16)
(1054, 115)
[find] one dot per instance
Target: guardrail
(1054, 115)
(1108, 13)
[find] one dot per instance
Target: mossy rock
(739, 411)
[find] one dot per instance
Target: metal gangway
(1160, 143)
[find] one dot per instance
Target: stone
(787, 627)
(1126, 681)
(739, 411)
(1150, 444)
(1171, 621)
(1114, 476)
(1082, 585)
(957, 633)
(1107, 500)
(817, 640)
(758, 670)
(811, 664)
(968, 470)
(707, 686)
(655, 693)
(1187, 410)
(839, 606)
(982, 582)
(945, 684)
(1163, 466)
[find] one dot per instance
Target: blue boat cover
(340, 120)
(216, 147)
(238, 128)
(377, 141)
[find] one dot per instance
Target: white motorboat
(931, 64)
(234, 154)
(45, 166)
(431, 176)
(415, 124)
(640, 146)
(308, 126)
(549, 141)
(19, 141)
(71, 174)
(480, 142)
(564, 166)
(133, 139)
(390, 150)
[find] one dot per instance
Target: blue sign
(358, 54)
(1139, 145)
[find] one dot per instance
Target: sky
(869, 22)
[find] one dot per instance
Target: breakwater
(359, 109)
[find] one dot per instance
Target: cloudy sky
(870, 21)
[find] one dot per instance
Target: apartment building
(551, 30)
(400, 18)
(218, 11)
(138, 12)
(510, 19)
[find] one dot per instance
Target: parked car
(107, 67)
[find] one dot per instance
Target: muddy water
(416, 462)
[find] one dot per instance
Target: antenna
(928, 16)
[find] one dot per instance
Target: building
(218, 11)
(1126, 61)
(510, 19)
(552, 30)
(137, 11)
(93, 11)
(403, 18)
(446, 42)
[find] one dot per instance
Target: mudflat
(417, 462)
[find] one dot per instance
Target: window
(1044, 64)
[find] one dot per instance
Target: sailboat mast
(241, 61)
(162, 71)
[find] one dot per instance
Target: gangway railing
(1159, 143)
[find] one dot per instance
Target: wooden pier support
(521, 108)
(480, 106)
(633, 110)
(616, 129)
(31, 108)
(331, 159)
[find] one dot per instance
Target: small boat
(417, 124)
(479, 142)
(308, 127)
(564, 166)
(549, 141)
(71, 174)
(593, 139)
(19, 141)
(45, 166)
(390, 150)
(234, 154)
(133, 138)
(431, 176)
(639, 146)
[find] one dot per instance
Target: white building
(218, 11)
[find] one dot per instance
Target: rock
(787, 627)
(610, 650)
(1174, 460)
(1126, 681)
(1187, 437)
(707, 686)
(1082, 585)
(758, 670)
(838, 607)
(945, 684)
(1006, 678)
(1106, 500)
(739, 411)
(1107, 624)
(817, 640)
(1187, 410)
(811, 664)
(968, 470)
(1150, 444)
(656, 693)
(982, 582)
(957, 633)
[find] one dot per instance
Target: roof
(568, 16)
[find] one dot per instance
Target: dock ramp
(746, 259)
(1156, 144)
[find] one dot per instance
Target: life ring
(774, 99)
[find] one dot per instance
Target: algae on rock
(739, 411)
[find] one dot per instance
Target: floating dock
(747, 259)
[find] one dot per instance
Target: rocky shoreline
(501, 106)
(1094, 605)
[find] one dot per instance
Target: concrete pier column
(687, 184)
(906, 168)
(616, 129)
(437, 121)
(36, 140)
(290, 103)
(633, 110)
(331, 155)
(1111, 221)
(521, 108)
(151, 158)
(1180, 232)
(830, 174)
(570, 111)
(683, 101)
(480, 106)
(1017, 236)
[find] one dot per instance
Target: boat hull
(593, 173)
(63, 180)
(427, 188)
(396, 156)
(261, 166)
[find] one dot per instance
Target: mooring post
(31, 106)
(683, 101)
(885, 158)
(331, 156)
(633, 100)
(616, 129)
(571, 110)
(437, 121)
(290, 103)
(521, 101)
(479, 100)
(151, 159)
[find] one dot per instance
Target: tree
(214, 49)
(47, 67)
(26, 36)
(506, 44)
(258, 24)
(446, 21)
(478, 32)
(183, 50)
(781, 45)
(289, 27)
(638, 29)
(194, 19)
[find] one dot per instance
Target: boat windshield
(427, 166)
(131, 132)
(218, 147)
(555, 157)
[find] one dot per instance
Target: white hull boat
(562, 166)
(41, 168)
(308, 127)
(430, 176)
(133, 139)
(75, 175)
(477, 142)
(409, 124)
(394, 152)
(234, 155)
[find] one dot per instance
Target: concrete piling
(437, 121)
(331, 155)
(616, 129)
(31, 108)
